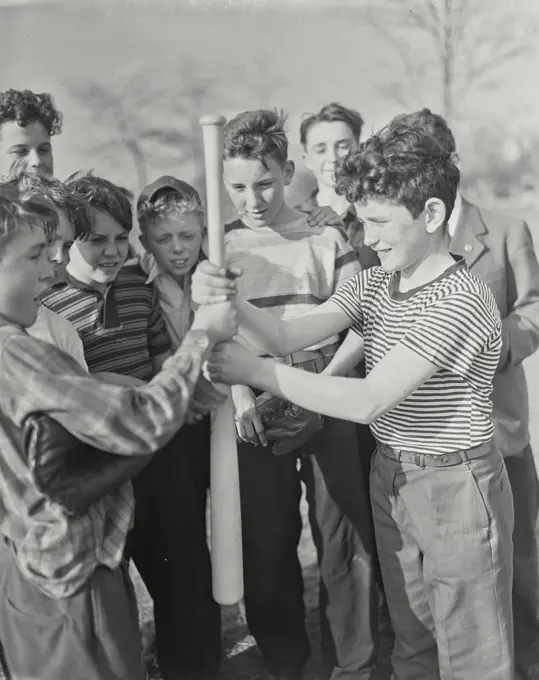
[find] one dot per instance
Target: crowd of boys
(414, 307)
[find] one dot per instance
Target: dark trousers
(523, 478)
(169, 547)
(92, 635)
(270, 492)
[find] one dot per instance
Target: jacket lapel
(469, 238)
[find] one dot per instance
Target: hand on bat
(211, 283)
(248, 422)
(219, 320)
(232, 364)
(324, 216)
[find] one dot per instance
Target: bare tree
(136, 118)
(454, 45)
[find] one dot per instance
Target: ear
(289, 169)
(456, 159)
(435, 214)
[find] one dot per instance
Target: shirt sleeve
(158, 338)
(452, 332)
(346, 261)
(348, 298)
(37, 377)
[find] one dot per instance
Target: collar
(455, 215)
(396, 294)
(150, 267)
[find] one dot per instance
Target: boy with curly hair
(27, 123)
(291, 268)
(441, 498)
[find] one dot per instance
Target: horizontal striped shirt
(288, 269)
(121, 330)
(452, 322)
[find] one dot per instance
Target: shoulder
(497, 223)
(463, 290)
(132, 272)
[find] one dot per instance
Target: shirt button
(468, 248)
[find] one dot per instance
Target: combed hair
(331, 113)
(435, 124)
(256, 134)
(167, 203)
(62, 196)
(402, 163)
(100, 194)
(25, 106)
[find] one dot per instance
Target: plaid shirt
(55, 552)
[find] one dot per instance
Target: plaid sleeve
(158, 338)
(346, 261)
(37, 377)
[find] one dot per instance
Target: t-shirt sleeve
(158, 338)
(348, 298)
(453, 331)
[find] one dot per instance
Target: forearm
(347, 357)
(338, 397)
(280, 337)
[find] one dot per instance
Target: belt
(430, 460)
(306, 355)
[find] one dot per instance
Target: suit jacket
(499, 250)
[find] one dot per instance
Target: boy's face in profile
(400, 241)
(257, 190)
(175, 242)
(106, 248)
(65, 235)
(25, 150)
(25, 273)
(325, 144)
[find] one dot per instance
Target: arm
(356, 399)
(348, 356)
(159, 360)
(36, 377)
(521, 324)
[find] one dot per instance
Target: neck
(436, 261)
(327, 196)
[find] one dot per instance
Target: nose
(110, 250)
(177, 244)
(332, 155)
(57, 253)
(34, 159)
(371, 235)
(254, 200)
(46, 271)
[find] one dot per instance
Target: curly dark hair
(26, 107)
(62, 196)
(402, 163)
(255, 135)
(100, 194)
(435, 125)
(168, 203)
(331, 113)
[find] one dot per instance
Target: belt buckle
(419, 459)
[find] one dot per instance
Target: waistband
(430, 460)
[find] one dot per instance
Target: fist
(211, 284)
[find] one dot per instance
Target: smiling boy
(290, 268)
(441, 498)
(27, 123)
(67, 608)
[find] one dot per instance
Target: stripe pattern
(289, 269)
(122, 330)
(452, 322)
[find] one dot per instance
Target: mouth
(180, 262)
(257, 214)
(108, 266)
(383, 251)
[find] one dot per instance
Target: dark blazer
(499, 250)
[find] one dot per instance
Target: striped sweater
(290, 268)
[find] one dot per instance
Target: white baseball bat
(226, 547)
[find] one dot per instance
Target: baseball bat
(226, 548)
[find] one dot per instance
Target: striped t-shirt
(122, 330)
(288, 269)
(452, 322)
